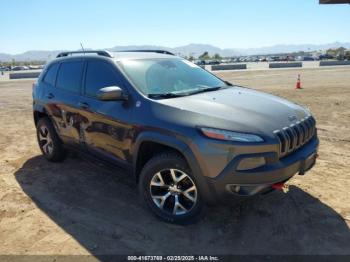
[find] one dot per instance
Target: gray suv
(187, 137)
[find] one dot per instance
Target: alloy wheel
(45, 140)
(173, 191)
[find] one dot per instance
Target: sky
(64, 24)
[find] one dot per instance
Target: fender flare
(38, 108)
(163, 139)
(181, 146)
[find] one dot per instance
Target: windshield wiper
(165, 95)
(208, 89)
(188, 93)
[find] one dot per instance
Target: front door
(107, 131)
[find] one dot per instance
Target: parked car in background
(214, 62)
(325, 57)
(200, 62)
(308, 58)
(19, 68)
(36, 67)
(275, 59)
(5, 68)
(225, 61)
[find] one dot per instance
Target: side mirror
(111, 93)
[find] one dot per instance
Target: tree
(204, 56)
(336, 52)
(191, 58)
(217, 57)
(347, 55)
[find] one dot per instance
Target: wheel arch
(157, 143)
(160, 142)
(39, 112)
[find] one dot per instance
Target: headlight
(230, 135)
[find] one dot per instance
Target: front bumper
(260, 180)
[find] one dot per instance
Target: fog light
(251, 163)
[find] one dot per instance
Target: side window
(50, 76)
(98, 75)
(69, 76)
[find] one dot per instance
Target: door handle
(83, 105)
(50, 95)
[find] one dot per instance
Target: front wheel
(170, 190)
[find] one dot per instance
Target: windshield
(169, 76)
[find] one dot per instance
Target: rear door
(107, 132)
(62, 99)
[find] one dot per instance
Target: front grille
(296, 135)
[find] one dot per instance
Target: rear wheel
(50, 144)
(169, 189)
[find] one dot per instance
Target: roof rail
(98, 52)
(150, 51)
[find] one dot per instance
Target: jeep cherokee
(188, 137)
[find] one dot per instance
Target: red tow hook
(281, 186)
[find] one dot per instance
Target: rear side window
(69, 76)
(98, 75)
(50, 76)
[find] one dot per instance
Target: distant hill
(30, 56)
(187, 50)
(279, 49)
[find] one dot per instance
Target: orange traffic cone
(298, 85)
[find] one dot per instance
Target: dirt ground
(79, 207)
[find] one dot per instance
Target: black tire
(57, 152)
(164, 162)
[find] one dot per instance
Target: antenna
(82, 48)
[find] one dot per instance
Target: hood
(238, 109)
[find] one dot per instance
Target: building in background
(334, 1)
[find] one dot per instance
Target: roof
(139, 55)
(118, 55)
